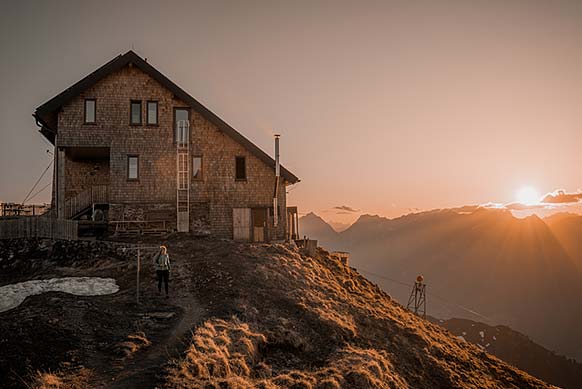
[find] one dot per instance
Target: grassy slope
(275, 318)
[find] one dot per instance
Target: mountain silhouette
(480, 264)
(317, 227)
(517, 349)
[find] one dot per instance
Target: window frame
(94, 100)
(244, 159)
(131, 103)
(175, 125)
(156, 102)
(200, 178)
(129, 157)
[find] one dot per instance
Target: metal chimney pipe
(277, 165)
(276, 192)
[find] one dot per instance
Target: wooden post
(138, 268)
(297, 225)
(60, 189)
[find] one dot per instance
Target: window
(197, 167)
(89, 111)
(135, 115)
(132, 167)
(181, 115)
(152, 117)
(241, 168)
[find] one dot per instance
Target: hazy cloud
(492, 205)
(515, 206)
(524, 207)
(346, 209)
(560, 197)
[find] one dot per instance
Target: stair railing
(85, 199)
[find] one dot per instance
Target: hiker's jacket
(162, 261)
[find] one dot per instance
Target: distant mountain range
(519, 350)
(479, 264)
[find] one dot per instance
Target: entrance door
(241, 223)
(259, 218)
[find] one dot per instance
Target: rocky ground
(88, 341)
(239, 316)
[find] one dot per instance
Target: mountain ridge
(486, 259)
(518, 350)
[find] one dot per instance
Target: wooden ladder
(183, 176)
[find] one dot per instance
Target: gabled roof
(44, 111)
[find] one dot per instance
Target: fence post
(138, 269)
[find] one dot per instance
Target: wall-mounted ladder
(183, 176)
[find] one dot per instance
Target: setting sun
(528, 195)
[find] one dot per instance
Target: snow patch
(13, 295)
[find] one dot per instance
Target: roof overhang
(49, 133)
(54, 104)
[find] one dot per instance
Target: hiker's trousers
(163, 275)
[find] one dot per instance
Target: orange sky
(384, 106)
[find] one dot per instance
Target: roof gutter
(45, 130)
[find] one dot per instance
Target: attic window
(89, 111)
(240, 168)
(181, 119)
(135, 115)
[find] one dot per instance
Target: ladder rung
(183, 174)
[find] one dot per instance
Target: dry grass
(79, 379)
(316, 323)
(132, 344)
(227, 354)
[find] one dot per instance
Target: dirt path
(119, 343)
(144, 368)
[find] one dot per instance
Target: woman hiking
(162, 265)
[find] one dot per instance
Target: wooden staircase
(96, 194)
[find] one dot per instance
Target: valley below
(479, 264)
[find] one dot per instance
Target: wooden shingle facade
(115, 137)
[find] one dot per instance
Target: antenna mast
(417, 299)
